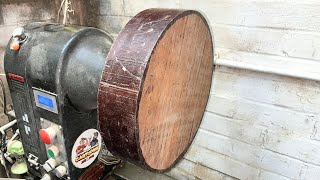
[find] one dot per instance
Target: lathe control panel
(51, 134)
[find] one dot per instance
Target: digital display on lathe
(45, 101)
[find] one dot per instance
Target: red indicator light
(15, 46)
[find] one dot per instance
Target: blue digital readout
(45, 101)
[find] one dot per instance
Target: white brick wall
(16, 14)
(258, 125)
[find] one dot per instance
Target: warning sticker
(86, 148)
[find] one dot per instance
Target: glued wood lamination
(155, 87)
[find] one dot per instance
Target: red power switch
(47, 135)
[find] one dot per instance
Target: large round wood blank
(155, 87)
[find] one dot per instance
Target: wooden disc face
(155, 87)
(175, 91)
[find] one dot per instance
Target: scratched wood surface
(155, 87)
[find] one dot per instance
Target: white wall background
(257, 125)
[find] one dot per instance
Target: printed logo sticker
(86, 148)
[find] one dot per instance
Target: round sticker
(86, 148)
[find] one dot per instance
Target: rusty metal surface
(122, 79)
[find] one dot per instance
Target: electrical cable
(58, 16)
(4, 98)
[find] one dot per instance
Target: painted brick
(283, 142)
(265, 175)
(234, 84)
(24, 12)
(316, 131)
(272, 117)
(251, 155)
(297, 94)
(268, 41)
(236, 130)
(281, 14)
(134, 7)
(5, 35)
(311, 172)
(222, 163)
(112, 24)
(294, 146)
(111, 7)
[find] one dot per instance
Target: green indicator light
(50, 153)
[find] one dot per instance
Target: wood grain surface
(155, 87)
